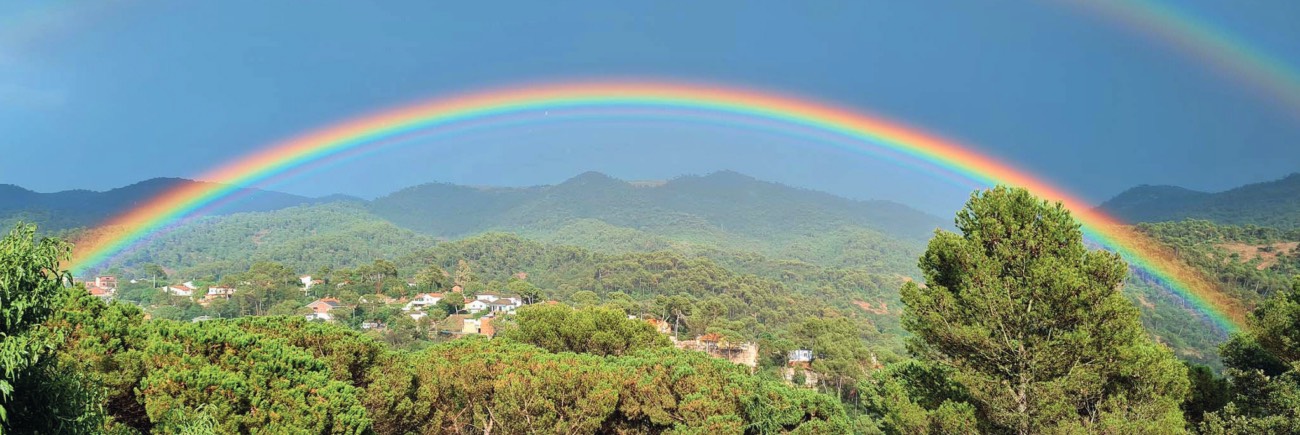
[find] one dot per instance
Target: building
(487, 297)
(100, 292)
(320, 308)
(798, 369)
(476, 306)
(481, 326)
(220, 292)
(179, 290)
(106, 282)
(423, 300)
(505, 305)
(306, 281)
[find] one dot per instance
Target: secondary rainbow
(1215, 46)
(867, 131)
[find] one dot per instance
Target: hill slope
(723, 210)
(1273, 204)
(80, 208)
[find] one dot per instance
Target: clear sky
(102, 94)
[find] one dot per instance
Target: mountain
(1272, 204)
(724, 210)
(79, 208)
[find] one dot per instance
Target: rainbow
(865, 131)
(1214, 46)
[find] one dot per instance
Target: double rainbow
(868, 134)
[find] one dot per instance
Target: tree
(1263, 368)
(596, 330)
(526, 290)
(1034, 327)
(464, 275)
(36, 392)
(433, 279)
(155, 273)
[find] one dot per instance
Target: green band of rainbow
(167, 208)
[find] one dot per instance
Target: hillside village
(478, 314)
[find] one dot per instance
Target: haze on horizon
(139, 90)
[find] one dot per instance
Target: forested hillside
(1270, 204)
(303, 237)
(723, 210)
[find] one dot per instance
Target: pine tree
(1034, 327)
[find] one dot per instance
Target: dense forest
(1000, 339)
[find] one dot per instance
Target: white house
(220, 292)
(423, 300)
(179, 290)
(504, 305)
(306, 282)
(487, 297)
(476, 306)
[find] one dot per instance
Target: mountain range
(82, 208)
(1271, 204)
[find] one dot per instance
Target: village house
(423, 300)
(106, 282)
(798, 369)
(481, 326)
(180, 290)
(219, 292)
(475, 306)
(487, 297)
(503, 306)
(99, 292)
(373, 325)
(321, 309)
(306, 281)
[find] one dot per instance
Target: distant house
(99, 292)
(504, 305)
(375, 325)
(321, 308)
(307, 282)
(476, 306)
(107, 282)
(220, 292)
(457, 289)
(179, 290)
(487, 297)
(200, 319)
(800, 357)
(423, 300)
(481, 326)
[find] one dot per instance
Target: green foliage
(724, 210)
(1033, 325)
(37, 391)
(302, 238)
(475, 385)
(594, 330)
(1264, 371)
(167, 376)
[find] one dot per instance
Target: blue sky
(101, 94)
